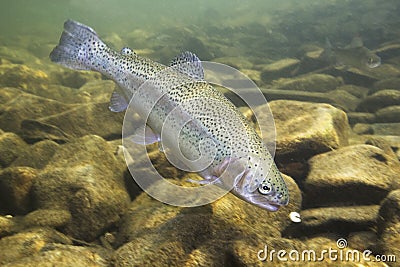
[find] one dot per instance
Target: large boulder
(358, 174)
(305, 129)
(86, 179)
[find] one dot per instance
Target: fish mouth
(270, 206)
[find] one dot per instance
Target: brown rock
(309, 82)
(278, 69)
(390, 83)
(11, 146)
(388, 114)
(154, 230)
(37, 155)
(30, 242)
(359, 174)
(15, 186)
(85, 179)
(361, 117)
(25, 106)
(84, 119)
(75, 79)
(305, 129)
(21, 76)
(47, 218)
(378, 100)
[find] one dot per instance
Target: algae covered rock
(21, 76)
(37, 155)
(15, 186)
(389, 225)
(27, 243)
(86, 179)
(378, 100)
(47, 247)
(388, 114)
(358, 174)
(158, 234)
(306, 129)
(79, 120)
(309, 82)
(11, 147)
(278, 69)
(18, 106)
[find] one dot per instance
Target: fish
(353, 55)
(181, 87)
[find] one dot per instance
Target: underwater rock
(386, 128)
(253, 75)
(278, 69)
(389, 212)
(388, 114)
(11, 147)
(25, 106)
(197, 46)
(21, 76)
(363, 240)
(306, 129)
(65, 256)
(390, 83)
(378, 100)
(343, 99)
(389, 225)
(276, 94)
(341, 220)
(389, 50)
(86, 179)
(15, 186)
(17, 55)
(363, 128)
(385, 71)
(234, 62)
(37, 155)
(154, 233)
(8, 226)
(28, 243)
(97, 91)
(309, 82)
(361, 117)
(381, 143)
(357, 91)
(74, 79)
(80, 120)
(356, 175)
(47, 218)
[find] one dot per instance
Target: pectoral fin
(145, 138)
(118, 102)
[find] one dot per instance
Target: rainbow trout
(192, 113)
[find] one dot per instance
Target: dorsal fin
(356, 42)
(189, 64)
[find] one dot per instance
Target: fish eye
(370, 60)
(265, 188)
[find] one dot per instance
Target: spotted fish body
(178, 96)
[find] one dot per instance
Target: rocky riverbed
(67, 198)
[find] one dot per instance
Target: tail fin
(77, 46)
(328, 53)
